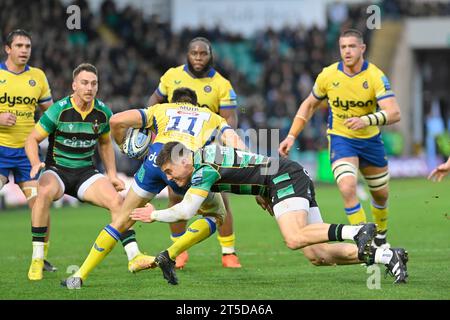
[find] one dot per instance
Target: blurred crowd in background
(272, 72)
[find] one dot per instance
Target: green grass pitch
(419, 221)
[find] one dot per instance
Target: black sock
(335, 232)
(128, 237)
(39, 233)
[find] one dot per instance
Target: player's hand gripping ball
(137, 142)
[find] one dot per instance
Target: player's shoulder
(174, 71)
(374, 70)
(59, 106)
(330, 69)
(99, 104)
(62, 104)
(37, 71)
(217, 76)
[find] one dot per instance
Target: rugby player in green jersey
(283, 187)
(75, 126)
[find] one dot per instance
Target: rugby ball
(137, 142)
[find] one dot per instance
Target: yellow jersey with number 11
(183, 122)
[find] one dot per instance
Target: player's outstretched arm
(304, 113)
(440, 172)
(120, 122)
(184, 210)
(231, 139)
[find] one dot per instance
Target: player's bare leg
(378, 182)
(331, 254)
(298, 234)
(49, 189)
(227, 239)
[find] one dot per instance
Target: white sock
(349, 232)
(228, 250)
(132, 250)
(383, 256)
(38, 250)
(380, 236)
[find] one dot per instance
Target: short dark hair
(184, 95)
(204, 40)
(84, 67)
(170, 151)
(16, 33)
(352, 33)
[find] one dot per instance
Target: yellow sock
(199, 230)
(175, 236)
(46, 245)
(227, 243)
(356, 215)
(103, 245)
(380, 214)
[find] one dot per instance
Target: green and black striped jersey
(218, 168)
(73, 135)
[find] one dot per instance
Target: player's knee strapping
(29, 192)
(343, 169)
(3, 181)
(378, 181)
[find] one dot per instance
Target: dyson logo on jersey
(347, 104)
(152, 157)
(12, 101)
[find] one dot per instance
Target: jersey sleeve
(203, 179)
(46, 94)
(148, 116)
(49, 120)
(382, 86)
(228, 98)
(222, 124)
(163, 86)
(319, 90)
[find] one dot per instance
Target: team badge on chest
(95, 126)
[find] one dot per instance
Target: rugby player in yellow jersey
(360, 100)
(181, 120)
(22, 88)
(213, 92)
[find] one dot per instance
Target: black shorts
(73, 179)
(291, 180)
